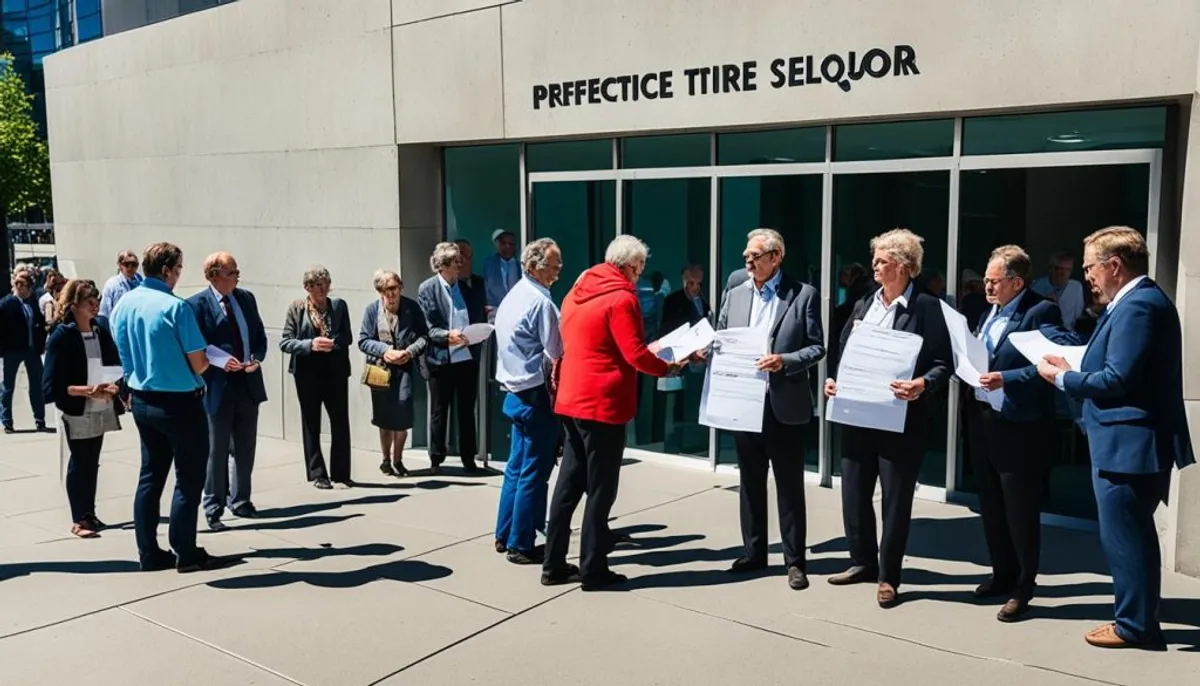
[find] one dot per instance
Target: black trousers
(1011, 460)
(591, 465)
(331, 391)
(453, 385)
(782, 447)
(82, 471)
(894, 460)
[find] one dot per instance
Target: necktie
(239, 351)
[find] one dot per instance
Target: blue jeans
(523, 497)
(174, 430)
(33, 369)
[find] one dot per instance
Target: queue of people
(193, 383)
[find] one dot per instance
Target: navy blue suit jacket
(219, 331)
(1131, 385)
(1027, 398)
(14, 327)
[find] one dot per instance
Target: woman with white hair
(393, 337)
(604, 348)
(894, 459)
(317, 335)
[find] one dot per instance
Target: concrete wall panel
(971, 55)
(449, 79)
(413, 11)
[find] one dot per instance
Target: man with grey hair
(527, 342)
(789, 315)
(126, 279)
(453, 366)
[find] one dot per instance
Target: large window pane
(772, 147)
(691, 150)
(672, 217)
(483, 193)
(897, 140)
(581, 217)
(569, 156)
(1046, 211)
(792, 206)
(1143, 127)
(866, 205)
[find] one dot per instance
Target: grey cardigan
(299, 332)
(411, 332)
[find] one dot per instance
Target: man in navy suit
(1131, 387)
(1011, 446)
(22, 341)
(229, 319)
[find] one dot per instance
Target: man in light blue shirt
(162, 353)
(528, 340)
(121, 283)
(501, 271)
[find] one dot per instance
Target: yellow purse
(376, 376)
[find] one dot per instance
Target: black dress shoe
(386, 468)
(322, 484)
(858, 574)
(797, 579)
(1014, 610)
(992, 589)
(469, 467)
(157, 561)
(41, 427)
(501, 547)
(8, 429)
(203, 562)
(215, 524)
(247, 511)
(744, 565)
(560, 576)
(533, 557)
(602, 581)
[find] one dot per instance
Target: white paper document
(1034, 346)
(970, 353)
(735, 391)
(478, 333)
(100, 374)
(685, 340)
(217, 357)
(874, 357)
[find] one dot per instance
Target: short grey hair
(316, 274)
(625, 250)
(1015, 260)
(381, 278)
(772, 240)
(444, 255)
(902, 245)
(535, 256)
(126, 255)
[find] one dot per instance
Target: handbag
(376, 375)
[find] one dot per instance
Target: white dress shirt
(765, 302)
(527, 332)
(459, 318)
(990, 333)
(885, 315)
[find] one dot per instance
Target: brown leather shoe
(1106, 636)
(1013, 610)
(857, 574)
(887, 596)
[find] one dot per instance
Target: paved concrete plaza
(395, 582)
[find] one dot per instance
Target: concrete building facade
(358, 133)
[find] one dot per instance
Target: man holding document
(888, 320)
(1011, 429)
(778, 320)
(1130, 382)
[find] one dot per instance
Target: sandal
(81, 530)
(399, 468)
(386, 468)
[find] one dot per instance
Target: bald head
(222, 272)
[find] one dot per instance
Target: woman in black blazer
(317, 335)
(89, 410)
(892, 458)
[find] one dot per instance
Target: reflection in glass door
(864, 206)
(673, 218)
(1048, 211)
(581, 217)
(790, 205)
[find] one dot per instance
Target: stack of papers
(685, 340)
(970, 355)
(1034, 346)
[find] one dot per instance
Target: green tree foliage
(24, 158)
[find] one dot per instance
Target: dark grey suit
(796, 335)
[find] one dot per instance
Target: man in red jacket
(604, 348)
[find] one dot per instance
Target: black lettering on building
(540, 94)
(778, 77)
(749, 76)
(906, 61)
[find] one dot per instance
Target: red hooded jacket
(604, 348)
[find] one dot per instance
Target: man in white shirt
(501, 271)
(1059, 287)
(527, 340)
(126, 279)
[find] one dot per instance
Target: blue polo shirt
(154, 331)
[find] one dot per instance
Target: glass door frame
(828, 169)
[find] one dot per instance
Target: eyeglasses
(131, 263)
(751, 257)
(996, 282)
(1089, 267)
